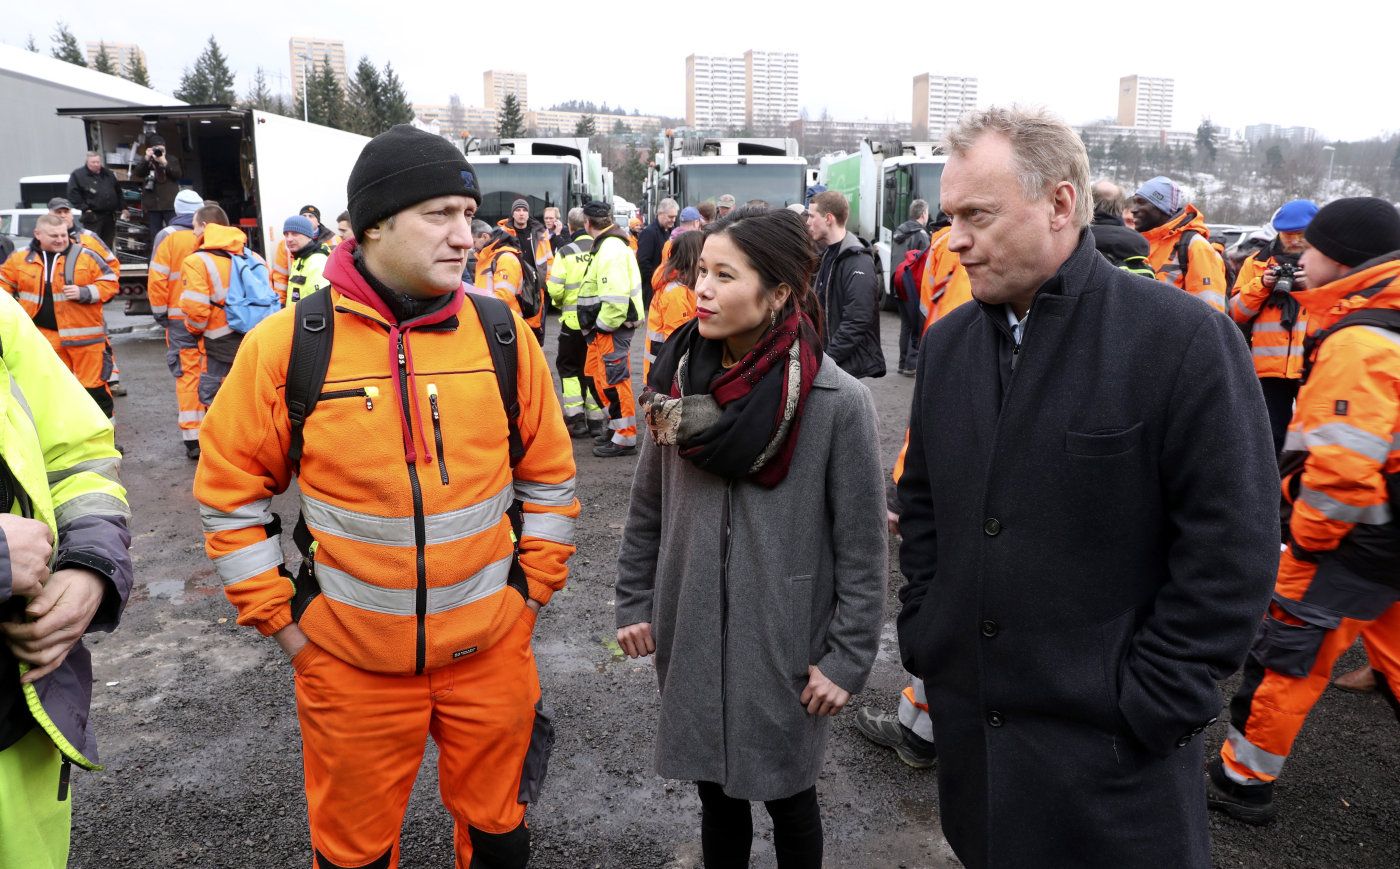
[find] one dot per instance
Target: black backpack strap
(307, 365)
(498, 323)
(1183, 252)
(1382, 318)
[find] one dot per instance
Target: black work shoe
(1253, 804)
(116, 389)
(884, 729)
(611, 450)
(192, 450)
(597, 427)
(604, 438)
(578, 427)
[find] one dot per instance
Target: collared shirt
(1018, 326)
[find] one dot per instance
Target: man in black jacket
(912, 234)
(652, 239)
(847, 289)
(159, 173)
(93, 190)
(1083, 565)
(1119, 244)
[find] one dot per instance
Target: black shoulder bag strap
(1183, 252)
(307, 365)
(498, 323)
(1386, 318)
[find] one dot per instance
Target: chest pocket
(1109, 442)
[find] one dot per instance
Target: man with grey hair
(1082, 566)
(912, 234)
(481, 237)
(652, 239)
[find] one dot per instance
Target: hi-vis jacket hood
(225, 238)
(1169, 232)
(1372, 284)
(1203, 274)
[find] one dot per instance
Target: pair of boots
(581, 427)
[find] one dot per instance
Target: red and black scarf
(737, 422)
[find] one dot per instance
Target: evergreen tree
(325, 101)
(136, 71)
(586, 126)
(259, 94)
(211, 81)
(510, 121)
(619, 128)
(364, 100)
(31, 45)
(65, 46)
(1205, 140)
(103, 61)
(395, 107)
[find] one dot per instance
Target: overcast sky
(1316, 64)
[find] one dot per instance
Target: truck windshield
(778, 185)
(540, 185)
(928, 183)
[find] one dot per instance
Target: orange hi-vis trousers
(609, 364)
(362, 744)
(89, 363)
(184, 355)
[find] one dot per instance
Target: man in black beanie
(414, 607)
(1340, 574)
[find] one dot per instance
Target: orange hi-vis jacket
(544, 260)
(945, 285)
(205, 278)
(281, 270)
(405, 483)
(498, 272)
(29, 275)
(1204, 274)
(163, 284)
(93, 242)
(671, 308)
(1278, 351)
(1342, 454)
(661, 276)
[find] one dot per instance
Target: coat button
(994, 718)
(1181, 743)
(990, 628)
(992, 527)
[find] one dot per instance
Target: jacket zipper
(437, 430)
(420, 532)
(725, 523)
(368, 393)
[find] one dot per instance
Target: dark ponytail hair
(776, 244)
(685, 257)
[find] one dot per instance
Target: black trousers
(1279, 394)
(104, 223)
(726, 829)
(570, 362)
(910, 331)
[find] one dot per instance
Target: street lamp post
(1330, 160)
(305, 106)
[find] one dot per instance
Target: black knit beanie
(403, 167)
(1354, 230)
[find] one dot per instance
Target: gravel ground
(198, 727)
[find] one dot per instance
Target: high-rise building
(770, 87)
(939, 100)
(123, 55)
(309, 53)
(496, 83)
(454, 119)
(1256, 133)
(1144, 101)
(714, 92)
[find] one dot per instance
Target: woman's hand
(823, 696)
(636, 640)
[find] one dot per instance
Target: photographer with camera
(1271, 318)
(159, 173)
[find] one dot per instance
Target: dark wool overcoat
(1090, 533)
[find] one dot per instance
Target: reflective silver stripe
(1238, 306)
(250, 561)
(159, 309)
(82, 332)
(1211, 298)
(1384, 333)
(220, 291)
(23, 405)
(160, 269)
(343, 588)
(615, 300)
(570, 309)
(546, 494)
(107, 469)
(1278, 351)
(219, 332)
(82, 342)
(556, 280)
(548, 526)
(656, 336)
(624, 422)
(90, 504)
(651, 357)
(191, 415)
(398, 531)
(589, 301)
(1376, 514)
(253, 515)
(31, 297)
(278, 269)
(1339, 434)
(189, 434)
(175, 276)
(1254, 757)
(1269, 327)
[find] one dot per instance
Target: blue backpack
(250, 298)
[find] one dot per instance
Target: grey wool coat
(804, 584)
(1090, 540)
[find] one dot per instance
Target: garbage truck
(554, 172)
(692, 170)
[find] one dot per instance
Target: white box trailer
(261, 167)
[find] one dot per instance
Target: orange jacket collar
(344, 277)
(1372, 284)
(219, 237)
(1189, 218)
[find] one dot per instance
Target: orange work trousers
(184, 355)
(609, 364)
(362, 744)
(90, 364)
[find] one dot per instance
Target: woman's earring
(773, 323)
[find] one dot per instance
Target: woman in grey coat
(754, 558)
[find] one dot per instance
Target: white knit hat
(188, 202)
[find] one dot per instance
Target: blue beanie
(1295, 216)
(1163, 193)
(298, 223)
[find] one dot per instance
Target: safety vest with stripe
(610, 297)
(205, 278)
(58, 445)
(566, 278)
(163, 287)
(1276, 345)
(405, 485)
(31, 275)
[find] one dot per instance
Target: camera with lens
(1283, 277)
(158, 151)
